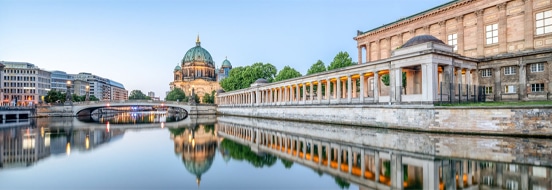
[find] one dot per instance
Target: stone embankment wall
(526, 121)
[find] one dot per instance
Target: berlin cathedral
(197, 72)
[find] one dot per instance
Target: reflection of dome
(197, 146)
(226, 63)
(198, 167)
(198, 54)
(420, 40)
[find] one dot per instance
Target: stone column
(286, 95)
(502, 27)
(397, 178)
(329, 154)
(377, 166)
(468, 82)
(529, 26)
(522, 93)
(349, 89)
(362, 88)
(448, 78)
(497, 82)
(460, 34)
(304, 92)
(368, 52)
(328, 90)
(350, 159)
(395, 81)
(524, 176)
(311, 94)
(359, 54)
(459, 83)
(298, 95)
(339, 152)
(481, 33)
(319, 92)
(431, 175)
(338, 93)
(362, 163)
(376, 86)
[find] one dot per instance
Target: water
(154, 150)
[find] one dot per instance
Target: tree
(54, 96)
(176, 94)
(341, 60)
(287, 73)
(209, 98)
(138, 95)
(243, 77)
(317, 67)
(93, 98)
(385, 80)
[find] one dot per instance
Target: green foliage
(341, 60)
(243, 77)
(287, 163)
(242, 152)
(138, 95)
(93, 98)
(343, 184)
(385, 79)
(176, 94)
(209, 98)
(317, 67)
(54, 96)
(287, 73)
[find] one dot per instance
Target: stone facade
(497, 33)
(530, 121)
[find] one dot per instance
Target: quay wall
(522, 121)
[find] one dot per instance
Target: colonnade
(411, 74)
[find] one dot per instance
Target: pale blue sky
(139, 42)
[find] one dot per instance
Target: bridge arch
(86, 108)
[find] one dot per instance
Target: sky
(139, 42)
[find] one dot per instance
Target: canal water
(156, 150)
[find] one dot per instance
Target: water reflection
(24, 146)
(352, 156)
(383, 159)
(197, 146)
(135, 117)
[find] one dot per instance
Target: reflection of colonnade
(426, 65)
(380, 168)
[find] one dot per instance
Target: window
(539, 87)
(488, 90)
(486, 73)
(537, 67)
(511, 70)
(491, 33)
(453, 40)
(543, 22)
(509, 89)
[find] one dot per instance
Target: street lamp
(68, 96)
(87, 98)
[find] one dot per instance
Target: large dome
(420, 40)
(198, 54)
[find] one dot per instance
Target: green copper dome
(226, 63)
(177, 68)
(198, 54)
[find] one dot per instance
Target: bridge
(87, 107)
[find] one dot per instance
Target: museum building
(197, 72)
(509, 40)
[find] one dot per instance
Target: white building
(24, 83)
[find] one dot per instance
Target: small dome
(226, 63)
(177, 68)
(261, 81)
(420, 40)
